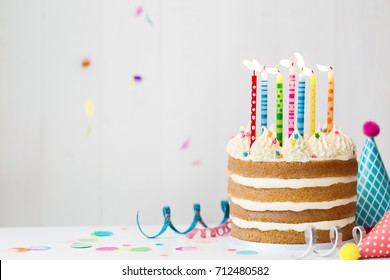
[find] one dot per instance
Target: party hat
(373, 188)
(377, 243)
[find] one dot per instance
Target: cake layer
(293, 170)
(290, 217)
(329, 193)
(290, 206)
(285, 237)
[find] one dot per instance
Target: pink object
(220, 230)
(107, 249)
(371, 129)
(185, 144)
(377, 243)
(139, 11)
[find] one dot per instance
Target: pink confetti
(196, 162)
(139, 11)
(107, 249)
(185, 144)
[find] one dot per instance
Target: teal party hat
(373, 188)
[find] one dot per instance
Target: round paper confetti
(107, 249)
(102, 233)
(137, 78)
(81, 245)
(40, 248)
(159, 244)
(189, 248)
(232, 250)
(246, 252)
(86, 63)
(141, 249)
(88, 240)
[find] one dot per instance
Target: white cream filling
(290, 206)
(325, 225)
(267, 183)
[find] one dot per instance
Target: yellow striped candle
(279, 109)
(330, 100)
(313, 81)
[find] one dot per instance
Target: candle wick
(331, 68)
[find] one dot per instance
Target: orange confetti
(86, 63)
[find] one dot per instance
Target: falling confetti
(102, 233)
(86, 63)
(106, 249)
(141, 249)
(81, 246)
(89, 108)
(185, 144)
(246, 252)
(137, 78)
(149, 20)
(139, 10)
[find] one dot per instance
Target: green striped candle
(279, 109)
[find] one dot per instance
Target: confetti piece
(88, 131)
(189, 248)
(159, 244)
(246, 252)
(106, 249)
(20, 249)
(86, 63)
(89, 108)
(137, 78)
(141, 249)
(185, 144)
(149, 20)
(139, 11)
(164, 255)
(232, 250)
(196, 162)
(88, 240)
(102, 233)
(131, 84)
(40, 248)
(81, 246)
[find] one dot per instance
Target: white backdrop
(194, 87)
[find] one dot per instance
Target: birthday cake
(279, 187)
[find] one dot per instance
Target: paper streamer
(197, 219)
(358, 234)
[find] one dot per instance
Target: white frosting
(320, 146)
(290, 206)
(264, 147)
(267, 183)
(325, 225)
(239, 144)
(295, 149)
(343, 145)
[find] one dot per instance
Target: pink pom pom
(371, 129)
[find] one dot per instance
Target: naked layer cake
(277, 192)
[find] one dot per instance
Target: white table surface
(127, 239)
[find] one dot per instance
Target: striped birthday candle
(301, 104)
(291, 100)
(264, 99)
(279, 109)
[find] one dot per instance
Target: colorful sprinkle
(317, 135)
(245, 154)
(137, 78)
(246, 252)
(185, 144)
(139, 11)
(295, 135)
(81, 246)
(141, 249)
(86, 63)
(269, 134)
(293, 141)
(102, 233)
(274, 141)
(40, 248)
(325, 130)
(336, 132)
(159, 244)
(89, 108)
(313, 156)
(277, 153)
(106, 249)
(189, 248)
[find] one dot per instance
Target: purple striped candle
(291, 100)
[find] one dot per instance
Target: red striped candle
(253, 108)
(291, 100)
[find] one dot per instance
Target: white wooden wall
(194, 86)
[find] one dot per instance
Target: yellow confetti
(131, 84)
(89, 108)
(88, 131)
(293, 141)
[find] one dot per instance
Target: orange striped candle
(330, 100)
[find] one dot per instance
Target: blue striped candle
(301, 105)
(264, 99)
